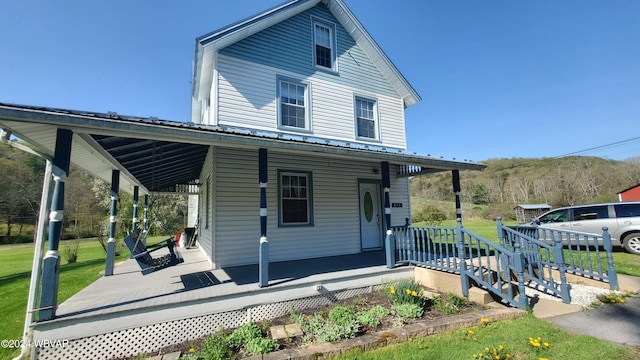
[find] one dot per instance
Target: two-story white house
(308, 76)
(297, 149)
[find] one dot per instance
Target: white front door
(370, 216)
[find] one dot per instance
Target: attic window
(324, 45)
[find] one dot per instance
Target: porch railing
(526, 256)
(544, 264)
(584, 254)
(460, 251)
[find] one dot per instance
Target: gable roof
(208, 44)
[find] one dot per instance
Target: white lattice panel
(147, 339)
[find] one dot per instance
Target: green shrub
(258, 346)
(342, 315)
(244, 334)
(322, 329)
(430, 214)
(217, 347)
(409, 310)
(372, 316)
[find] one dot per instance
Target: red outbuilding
(632, 193)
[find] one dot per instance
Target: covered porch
(128, 313)
(148, 156)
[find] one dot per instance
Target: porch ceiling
(159, 155)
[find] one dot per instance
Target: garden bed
(360, 316)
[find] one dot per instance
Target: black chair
(142, 253)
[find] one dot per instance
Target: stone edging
(392, 336)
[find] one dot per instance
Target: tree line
(506, 183)
(87, 202)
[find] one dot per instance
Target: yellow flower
(497, 357)
(484, 320)
(413, 293)
(546, 344)
(192, 350)
(408, 291)
(392, 290)
(500, 347)
(470, 332)
(486, 349)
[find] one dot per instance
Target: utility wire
(600, 147)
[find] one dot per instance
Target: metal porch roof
(160, 155)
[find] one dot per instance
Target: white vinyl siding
(248, 98)
(336, 227)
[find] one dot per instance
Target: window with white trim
(295, 198)
(324, 51)
(293, 108)
(366, 119)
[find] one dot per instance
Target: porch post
(111, 243)
(134, 220)
(386, 184)
(51, 261)
(45, 201)
(145, 226)
(456, 191)
(390, 241)
(263, 272)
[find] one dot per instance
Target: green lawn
(506, 337)
(15, 274)
(15, 269)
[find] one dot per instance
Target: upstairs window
(293, 104)
(324, 45)
(366, 122)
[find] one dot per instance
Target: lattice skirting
(150, 338)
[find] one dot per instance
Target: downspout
(38, 246)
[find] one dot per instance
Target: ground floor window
(295, 198)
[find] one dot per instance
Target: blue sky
(498, 78)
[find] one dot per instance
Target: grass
(15, 275)
(512, 334)
(15, 269)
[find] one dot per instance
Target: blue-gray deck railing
(544, 265)
(526, 256)
(458, 250)
(584, 254)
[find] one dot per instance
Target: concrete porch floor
(129, 299)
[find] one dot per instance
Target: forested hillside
(506, 183)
